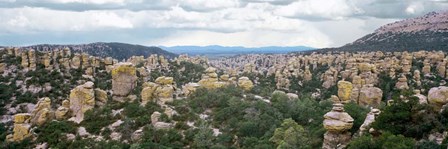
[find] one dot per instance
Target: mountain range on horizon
(428, 32)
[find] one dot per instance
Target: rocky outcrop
(370, 96)
(42, 112)
(22, 127)
(189, 88)
(165, 91)
(337, 123)
(100, 97)
(124, 77)
(63, 112)
(370, 118)
(2, 67)
(210, 79)
(161, 91)
(438, 97)
(82, 98)
(402, 83)
(344, 91)
(245, 83)
(157, 124)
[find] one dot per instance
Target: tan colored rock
(370, 118)
(25, 63)
(245, 83)
(370, 96)
(189, 88)
(307, 76)
(21, 132)
(2, 67)
(100, 97)
(32, 59)
(337, 120)
(344, 91)
(164, 93)
(438, 97)
(42, 112)
(21, 128)
(402, 83)
(22, 118)
(123, 79)
(75, 63)
(148, 91)
(337, 123)
(46, 61)
(63, 112)
(82, 98)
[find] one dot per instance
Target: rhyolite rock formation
(337, 122)
(82, 98)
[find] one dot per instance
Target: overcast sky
(250, 23)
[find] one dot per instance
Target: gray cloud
(318, 23)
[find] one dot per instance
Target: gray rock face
(82, 98)
(123, 79)
(438, 96)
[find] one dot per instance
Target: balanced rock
(337, 120)
(337, 123)
(82, 98)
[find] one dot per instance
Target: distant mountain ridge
(232, 50)
(428, 32)
(113, 49)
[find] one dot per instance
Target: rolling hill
(428, 32)
(116, 50)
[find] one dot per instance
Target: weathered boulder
(438, 96)
(164, 93)
(159, 125)
(100, 97)
(189, 88)
(370, 96)
(147, 93)
(123, 79)
(32, 59)
(75, 63)
(2, 67)
(370, 118)
(245, 83)
(82, 98)
(63, 112)
(402, 83)
(21, 128)
(210, 79)
(344, 91)
(42, 112)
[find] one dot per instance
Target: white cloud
(88, 1)
(316, 23)
(22, 20)
(319, 9)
